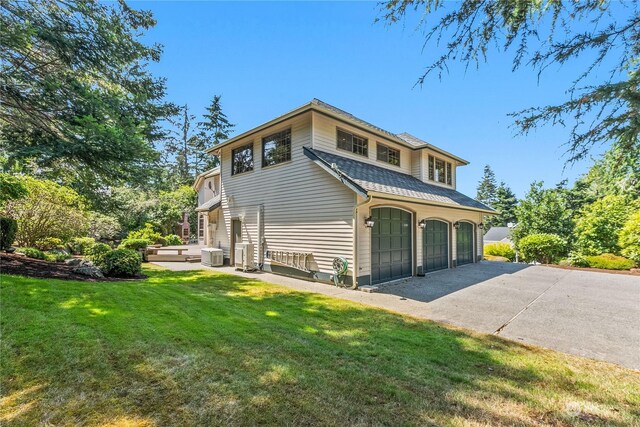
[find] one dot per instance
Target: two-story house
(318, 183)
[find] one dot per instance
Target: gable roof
(210, 205)
(498, 234)
(322, 107)
(206, 174)
(367, 180)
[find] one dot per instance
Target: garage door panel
(391, 244)
(435, 245)
(464, 243)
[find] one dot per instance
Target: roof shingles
(382, 180)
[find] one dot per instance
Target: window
(276, 148)
(440, 171)
(242, 158)
(353, 143)
(201, 227)
(388, 154)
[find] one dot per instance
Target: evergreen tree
(487, 187)
(505, 203)
(215, 128)
(182, 146)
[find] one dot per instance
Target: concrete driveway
(590, 314)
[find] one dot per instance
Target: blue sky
(268, 58)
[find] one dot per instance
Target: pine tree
(505, 203)
(180, 145)
(215, 128)
(487, 187)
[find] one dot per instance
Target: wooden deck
(186, 253)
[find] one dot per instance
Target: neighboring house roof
(210, 205)
(498, 234)
(366, 180)
(404, 139)
(204, 175)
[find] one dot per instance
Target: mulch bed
(634, 272)
(29, 267)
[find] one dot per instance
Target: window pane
(352, 143)
(344, 140)
(388, 154)
(242, 158)
(382, 153)
(440, 171)
(431, 175)
(449, 173)
(276, 148)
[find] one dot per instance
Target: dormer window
(440, 170)
(353, 143)
(388, 154)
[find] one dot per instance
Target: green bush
(122, 263)
(544, 248)
(49, 243)
(134, 244)
(8, 230)
(79, 245)
(33, 253)
(172, 240)
(610, 262)
(577, 260)
(147, 233)
(96, 253)
(501, 250)
(57, 256)
(629, 238)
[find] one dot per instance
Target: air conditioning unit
(244, 256)
(212, 257)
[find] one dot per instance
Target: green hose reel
(340, 267)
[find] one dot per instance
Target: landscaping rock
(73, 261)
(87, 269)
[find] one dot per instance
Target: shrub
(543, 247)
(8, 229)
(96, 253)
(122, 263)
(33, 253)
(629, 238)
(49, 243)
(496, 258)
(597, 227)
(610, 262)
(147, 233)
(172, 239)
(57, 256)
(79, 245)
(134, 244)
(103, 227)
(577, 260)
(501, 250)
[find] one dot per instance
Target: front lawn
(199, 348)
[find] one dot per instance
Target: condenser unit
(212, 257)
(244, 256)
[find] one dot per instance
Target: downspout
(355, 238)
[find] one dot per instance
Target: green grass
(199, 348)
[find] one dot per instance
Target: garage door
(435, 254)
(464, 243)
(390, 244)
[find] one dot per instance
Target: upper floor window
(353, 143)
(440, 171)
(242, 158)
(276, 148)
(388, 154)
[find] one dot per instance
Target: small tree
(630, 237)
(598, 225)
(505, 204)
(49, 210)
(487, 187)
(216, 127)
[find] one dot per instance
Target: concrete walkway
(590, 314)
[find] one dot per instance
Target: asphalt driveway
(590, 314)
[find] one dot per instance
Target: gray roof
(316, 101)
(497, 234)
(381, 180)
(413, 140)
(210, 205)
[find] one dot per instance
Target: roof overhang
(204, 175)
(385, 196)
(210, 205)
(312, 106)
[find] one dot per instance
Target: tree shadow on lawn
(196, 348)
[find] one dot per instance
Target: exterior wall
(294, 206)
(325, 139)
(205, 194)
(419, 212)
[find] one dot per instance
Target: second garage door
(390, 244)
(464, 243)
(435, 255)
